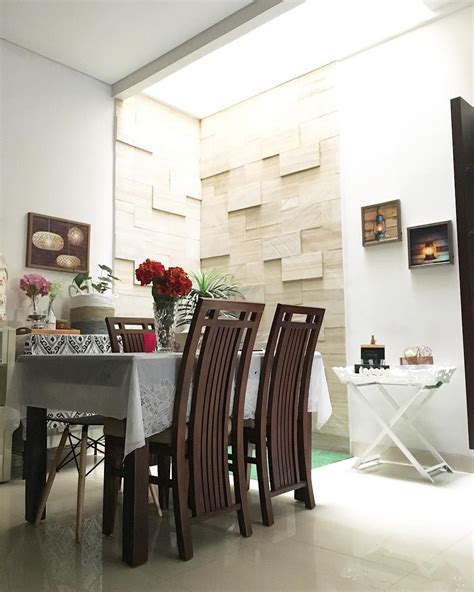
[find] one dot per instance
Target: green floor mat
(319, 458)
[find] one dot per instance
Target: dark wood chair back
(282, 409)
(130, 332)
(215, 365)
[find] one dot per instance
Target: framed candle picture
(430, 244)
(381, 223)
(57, 244)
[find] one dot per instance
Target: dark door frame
(462, 119)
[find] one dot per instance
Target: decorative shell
(47, 241)
(68, 261)
(75, 236)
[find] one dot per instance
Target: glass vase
(36, 319)
(165, 324)
(50, 317)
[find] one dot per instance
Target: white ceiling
(303, 39)
(108, 39)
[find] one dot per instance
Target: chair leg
(81, 483)
(181, 509)
(154, 497)
(241, 492)
(112, 483)
(51, 476)
(263, 482)
(305, 494)
(164, 466)
(248, 454)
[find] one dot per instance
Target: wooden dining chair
(127, 335)
(216, 359)
(214, 372)
(130, 334)
(281, 432)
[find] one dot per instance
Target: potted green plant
(208, 283)
(92, 301)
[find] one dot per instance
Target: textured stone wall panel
(157, 195)
(282, 243)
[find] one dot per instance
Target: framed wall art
(430, 244)
(381, 223)
(57, 244)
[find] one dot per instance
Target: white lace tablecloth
(139, 387)
(61, 344)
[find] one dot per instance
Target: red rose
(170, 283)
(175, 283)
(149, 271)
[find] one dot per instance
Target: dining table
(138, 387)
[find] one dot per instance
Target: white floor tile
(379, 530)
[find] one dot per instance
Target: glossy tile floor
(379, 530)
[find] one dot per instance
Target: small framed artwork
(57, 244)
(381, 223)
(430, 244)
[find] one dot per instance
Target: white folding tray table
(421, 382)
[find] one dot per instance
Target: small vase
(51, 318)
(165, 324)
(35, 318)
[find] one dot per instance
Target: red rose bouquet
(168, 286)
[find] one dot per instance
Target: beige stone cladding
(157, 195)
(271, 208)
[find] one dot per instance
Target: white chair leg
(154, 496)
(51, 476)
(81, 484)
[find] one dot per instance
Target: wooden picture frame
(387, 229)
(430, 244)
(57, 244)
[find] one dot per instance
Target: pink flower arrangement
(34, 285)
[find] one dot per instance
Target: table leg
(35, 460)
(388, 431)
(135, 507)
(414, 429)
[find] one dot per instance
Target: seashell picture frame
(57, 244)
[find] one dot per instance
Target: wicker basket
(416, 360)
(88, 312)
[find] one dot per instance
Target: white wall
(57, 158)
(396, 143)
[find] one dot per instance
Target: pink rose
(34, 284)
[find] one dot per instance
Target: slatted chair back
(215, 366)
(129, 331)
(281, 414)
